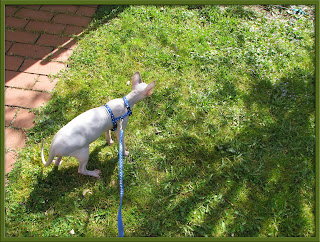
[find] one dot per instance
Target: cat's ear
(150, 87)
(136, 79)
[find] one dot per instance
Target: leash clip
(121, 120)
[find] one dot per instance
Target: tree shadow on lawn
(106, 13)
(265, 185)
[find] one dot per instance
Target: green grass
(225, 146)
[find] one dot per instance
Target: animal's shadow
(60, 182)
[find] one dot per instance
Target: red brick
(60, 8)
(45, 84)
(13, 62)
(21, 36)
(86, 11)
(8, 45)
(52, 40)
(9, 160)
(92, 6)
(24, 119)
(61, 55)
(70, 45)
(29, 50)
(72, 20)
(70, 30)
(20, 79)
(9, 113)
(15, 22)
(36, 7)
(41, 67)
(45, 27)
(25, 98)
(13, 138)
(34, 14)
(10, 10)
(9, 75)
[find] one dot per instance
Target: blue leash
(120, 223)
(114, 122)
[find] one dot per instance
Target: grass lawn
(224, 147)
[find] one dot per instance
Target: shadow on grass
(60, 183)
(262, 187)
(104, 14)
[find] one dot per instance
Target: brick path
(38, 42)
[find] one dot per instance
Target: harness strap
(114, 120)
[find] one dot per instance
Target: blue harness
(114, 120)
